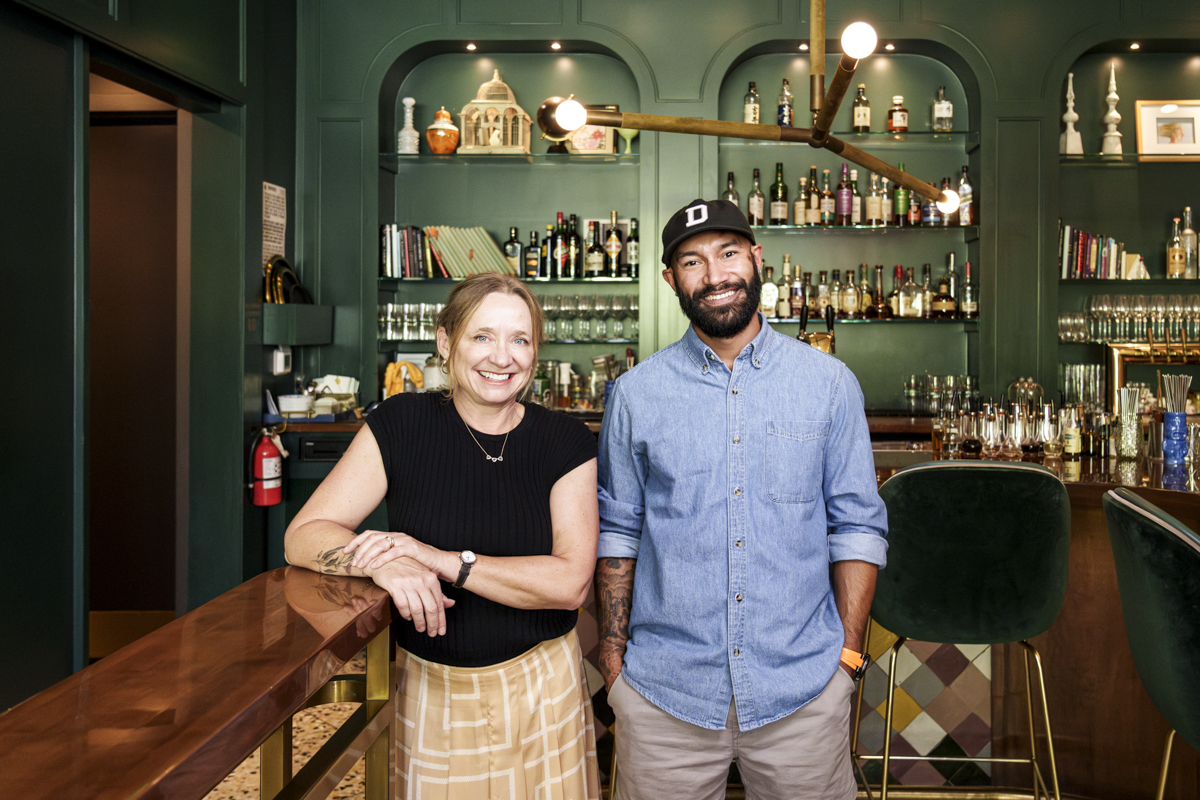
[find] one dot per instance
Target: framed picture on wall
(593, 139)
(1168, 130)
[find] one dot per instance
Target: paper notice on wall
(274, 222)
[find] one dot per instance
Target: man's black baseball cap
(699, 216)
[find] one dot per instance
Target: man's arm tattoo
(614, 597)
(335, 562)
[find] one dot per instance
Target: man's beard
(727, 321)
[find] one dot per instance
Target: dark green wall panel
(43, 226)
(346, 47)
(514, 12)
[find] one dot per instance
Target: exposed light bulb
(859, 40)
(571, 115)
(471, 47)
(889, 47)
(804, 46)
(1135, 46)
(950, 204)
(555, 46)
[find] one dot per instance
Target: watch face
(467, 557)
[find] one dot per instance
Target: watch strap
(856, 661)
(464, 569)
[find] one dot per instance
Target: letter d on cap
(696, 215)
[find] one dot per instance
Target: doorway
(135, 377)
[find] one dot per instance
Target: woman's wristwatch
(856, 661)
(466, 560)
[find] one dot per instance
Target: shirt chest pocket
(795, 459)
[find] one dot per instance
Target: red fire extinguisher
(268, 471)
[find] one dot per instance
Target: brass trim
(1119, 356)
(275, 761)
(1166, 763)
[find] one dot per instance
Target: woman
(494, 523)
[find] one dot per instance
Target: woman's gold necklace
(490, 457)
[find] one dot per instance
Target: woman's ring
(391, 542)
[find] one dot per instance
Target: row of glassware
(568, 318)
(1133, 318)
(929, 394)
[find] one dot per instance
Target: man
(740, 538)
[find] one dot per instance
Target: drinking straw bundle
(1175, 391)
(1128, 401)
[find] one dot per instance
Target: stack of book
(439, 251)
(1083, 255)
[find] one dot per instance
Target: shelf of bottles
(395, 161)
(965, 324)
(385, 283)
(970, 230)
(873, 139)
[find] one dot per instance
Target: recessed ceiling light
(804, 46)
(470, 47)
(555, 46)
(889, 47)
(1135, 46)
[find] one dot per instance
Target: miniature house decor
(493, 122)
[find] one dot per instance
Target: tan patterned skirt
(520, 729)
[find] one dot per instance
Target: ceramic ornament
(1112, 138)
(408, 141)
(1070, 143)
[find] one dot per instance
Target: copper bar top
(173, 713)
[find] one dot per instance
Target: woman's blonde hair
(464, 301)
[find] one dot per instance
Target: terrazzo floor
(310, 729)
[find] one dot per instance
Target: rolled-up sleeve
(856, 515)
(622, 482)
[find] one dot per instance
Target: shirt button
(736, 652)
(738, 598)
(706, 367)
(738, 543)
(735, 390)
(737, 492)
(737, 440)
(756, 362)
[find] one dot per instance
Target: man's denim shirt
(735, 491)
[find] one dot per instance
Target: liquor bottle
(751, 105)
(915, 204)
(810, 295)
(844, 200)
(900, 201)
(779, 203)
(926, 293)
(951, 219)
(873, 203)
(812, 215)
(943, 113)
(866, 298)
(910, 296)
(856, 200)
(851, 297)
(558, 250)
(533, 257)
(574, 250)
(754, 204)
(633, 251)
(931, 215)
(885, 202)
(783, 305)
(893, 298)
(952, 276)
(593, 259)
(786, 105)
(862, 111)
(897, 117)
(827, 203)
(823, 294)
(1072, 434)
(546, 270)
(730, 193)
(943, 305)
(879, 309)
(613, 245)
(1188, 236)
(835, 292)
(796, 290)
(1176, 261)
(800, 206)
(512, 251)
(967, 213)
(969, 308)
(770, 293)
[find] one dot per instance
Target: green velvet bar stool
(1158, 575)
(977, 554)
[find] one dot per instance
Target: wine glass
(1175, 321)
(1121, 310)
(601, 313)
(1158, 316)
(585, 304)
(628, 134)
(1141, 310)
(550, 306)
(568, 309)
(1192, 312)
(620, 310)
(633, 317)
